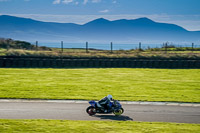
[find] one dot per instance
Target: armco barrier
(95, 63)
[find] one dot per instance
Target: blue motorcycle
(114, 107)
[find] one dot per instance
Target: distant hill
(15, 44)
(99, 30)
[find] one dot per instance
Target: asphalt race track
(76, 111)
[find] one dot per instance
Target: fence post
(7, 47)
(36, 43)
(166, 47)
(192, 46)
(111, 47)
(140, 46)
(62, 46)
(86, 47)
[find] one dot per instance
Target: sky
(185, 13)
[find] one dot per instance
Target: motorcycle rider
(104, 103)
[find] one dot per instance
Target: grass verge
(54, 126)
(177, 85)
(81, 53)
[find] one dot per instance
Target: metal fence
(118, 46)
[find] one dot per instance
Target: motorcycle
(115, 108)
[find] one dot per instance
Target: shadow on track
(112, 117)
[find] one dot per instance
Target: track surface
(76, 111)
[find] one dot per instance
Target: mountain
(99, 30)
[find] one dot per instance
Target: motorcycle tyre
(88, 109)
(120, 113)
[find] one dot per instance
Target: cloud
(67, 1)
(56, 1)
(114, 2)
(96, 1)
(11, 0)
(85, 2)
(4, 0)
(75, 2)
(104, 11)
(92, 1)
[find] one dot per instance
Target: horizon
(185, 13)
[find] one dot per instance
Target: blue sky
(185, 13)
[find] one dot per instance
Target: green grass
(179, 85)
(2, 52)
(61, 126)
(80, 53)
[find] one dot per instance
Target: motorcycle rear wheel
(91, 110)
(118, 112)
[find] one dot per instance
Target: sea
(113, 46)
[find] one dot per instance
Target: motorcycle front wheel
(118, 112)
(91, 110)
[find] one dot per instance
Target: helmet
(109, 97)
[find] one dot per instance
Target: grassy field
(80, 53)
(179, 85)
(53, 126)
